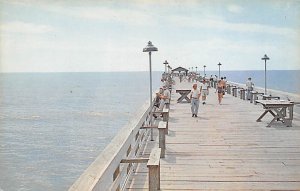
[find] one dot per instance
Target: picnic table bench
(184, 95)
(277, 108)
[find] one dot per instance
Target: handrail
(100, 174)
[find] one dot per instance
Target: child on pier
(204, 90)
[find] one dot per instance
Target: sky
(104, 36)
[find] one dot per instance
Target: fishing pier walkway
(224, 148)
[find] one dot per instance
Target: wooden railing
(113, 166)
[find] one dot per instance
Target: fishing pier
(227, 147)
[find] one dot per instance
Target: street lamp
(196, 69)
(166, 63)
(219, 70)
(204, 69)
(265, 58)
(150, 48)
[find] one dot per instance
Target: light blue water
(53, 125)
(283, 80)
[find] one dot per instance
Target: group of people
(163, 96)
(220, 90)
(203, 91)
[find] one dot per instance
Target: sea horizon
(201, 71)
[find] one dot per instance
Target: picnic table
(183, 96)
(277, 108)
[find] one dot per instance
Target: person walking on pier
(220, 91)
(195, 95)
(204, 90)
(249, 85)
(223, 82)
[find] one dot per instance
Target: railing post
(166, 119)
(233, 91)
(255, 98)
(154, 169)
(162, 137)
(244, 94)
(251, 97)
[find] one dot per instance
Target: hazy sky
(73, 35)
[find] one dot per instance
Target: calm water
(53, 125)
(283, 80)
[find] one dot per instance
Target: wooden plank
(162, 127)
(154, 158)
(224, 148)
(154, 169)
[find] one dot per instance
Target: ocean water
(53, 125)
(282, 80)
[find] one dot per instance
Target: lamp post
(265, 58)
(204, 70)
(192, 69)
(196, 69)
(219, 70)
(166, 63)
(150, 48)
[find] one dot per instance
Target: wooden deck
(225, 149)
